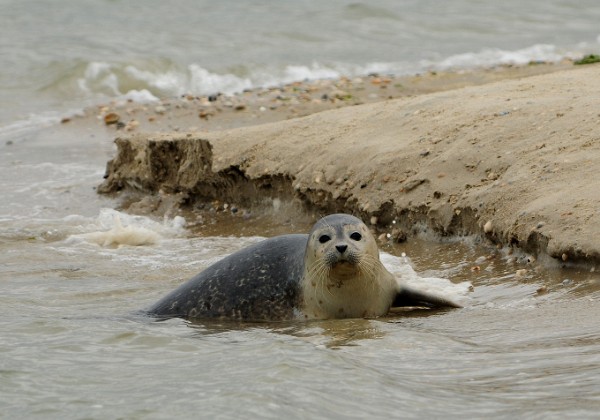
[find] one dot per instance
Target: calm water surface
(72, 346)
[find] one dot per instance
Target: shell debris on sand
(111, 118)
(521, 273)
(488, 227)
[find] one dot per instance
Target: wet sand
(507, 154)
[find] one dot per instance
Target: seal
(333, 272)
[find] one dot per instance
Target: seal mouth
(343, 268)
(342, 264)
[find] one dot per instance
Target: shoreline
(294, 100)
(508, 159)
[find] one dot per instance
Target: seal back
(258, 283)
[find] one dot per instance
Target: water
(527, 343)
(58, 56)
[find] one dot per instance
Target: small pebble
(111, 118)
(520, 273)
(373, 220)
(399, 235)
(132, 125)
(487, 228)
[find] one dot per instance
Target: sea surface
(74, 271)
(60, 55)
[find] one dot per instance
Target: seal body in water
(333, 272)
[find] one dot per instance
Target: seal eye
(324, 238)
(355, 236)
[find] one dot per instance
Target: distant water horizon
(63, 56)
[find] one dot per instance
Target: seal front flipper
(408, 296)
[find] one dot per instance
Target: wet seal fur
(333, 272)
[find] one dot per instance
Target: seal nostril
(341, 248)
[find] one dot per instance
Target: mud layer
(514, 161)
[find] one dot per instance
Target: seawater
(74, 272)
(62, 55)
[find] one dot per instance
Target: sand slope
(515, 160)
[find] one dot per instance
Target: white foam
(314, 72)
(204, 82)
(96, 69)
(152, 81)
(119, 235)
(99, 77)
(140, 96)
(168, 81)
(401, 268)
(29, 124)
(493, 56)
(115, 229)
(196, 80)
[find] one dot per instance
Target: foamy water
(73, 345)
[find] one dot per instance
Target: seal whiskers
(318, 271)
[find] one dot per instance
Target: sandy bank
(515, 161)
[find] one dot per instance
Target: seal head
(344, 277)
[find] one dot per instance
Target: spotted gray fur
(258, 283)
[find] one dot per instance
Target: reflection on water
(328, 333)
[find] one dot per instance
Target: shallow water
(527, 344)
